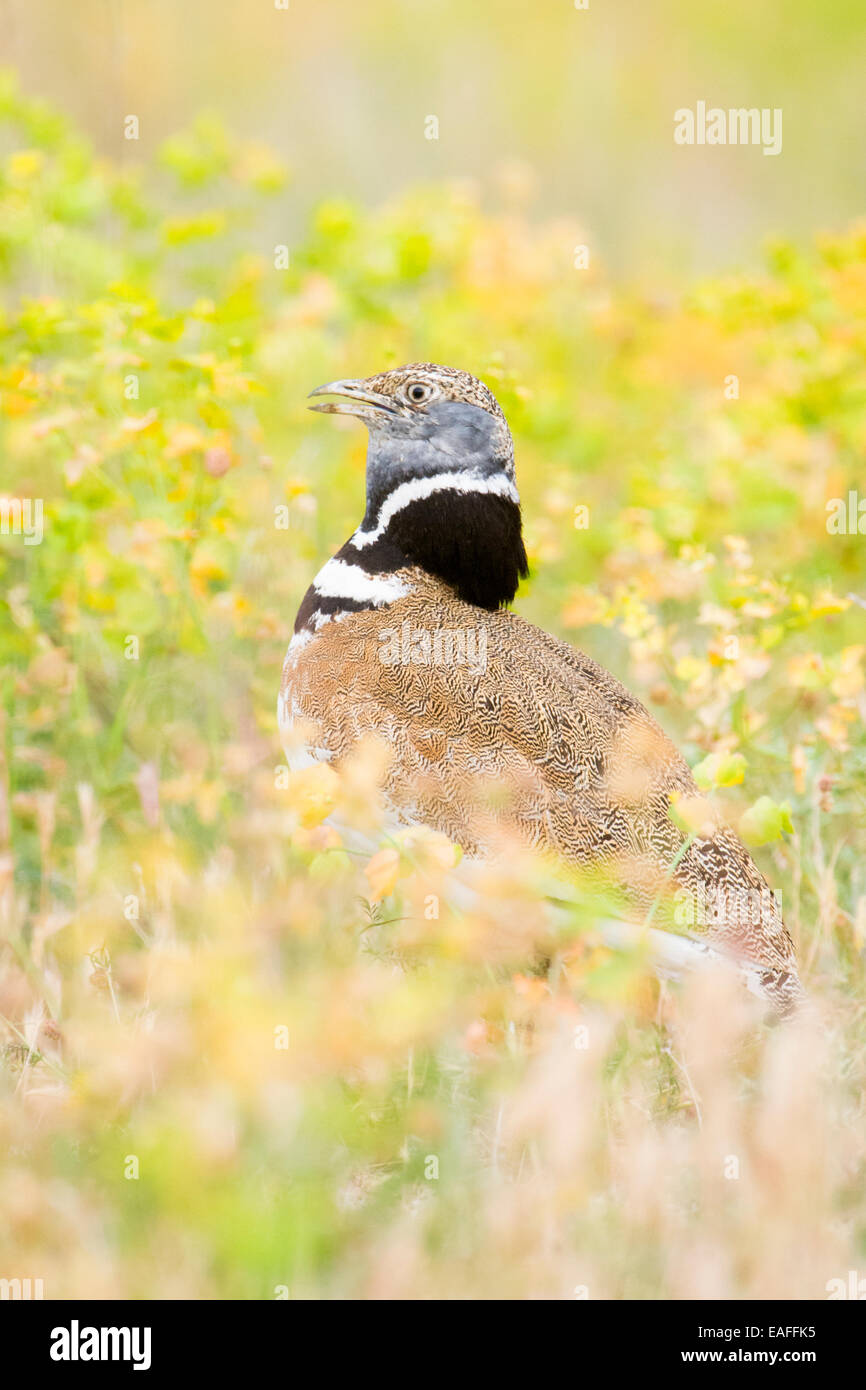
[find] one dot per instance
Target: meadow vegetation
(241, 1061)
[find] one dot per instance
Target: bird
(496, 727)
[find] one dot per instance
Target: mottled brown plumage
(494, 725)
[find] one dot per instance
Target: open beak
(358, 400)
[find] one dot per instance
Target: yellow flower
(312, 793)
(381, 874)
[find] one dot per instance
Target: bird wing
(494, 725)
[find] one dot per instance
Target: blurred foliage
(584, 98)
(322, 1088)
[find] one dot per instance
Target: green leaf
(720, 770)
(766, 821)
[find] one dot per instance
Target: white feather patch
(338, 579)
(299, 640)
(417, 488)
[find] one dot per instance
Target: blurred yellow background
(584, 99)
(237, 1060)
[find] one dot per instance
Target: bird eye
(418, 391)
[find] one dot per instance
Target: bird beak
(359, 400)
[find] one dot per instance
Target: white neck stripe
(337, 579)
(417, 488)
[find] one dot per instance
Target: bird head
(424, 419)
